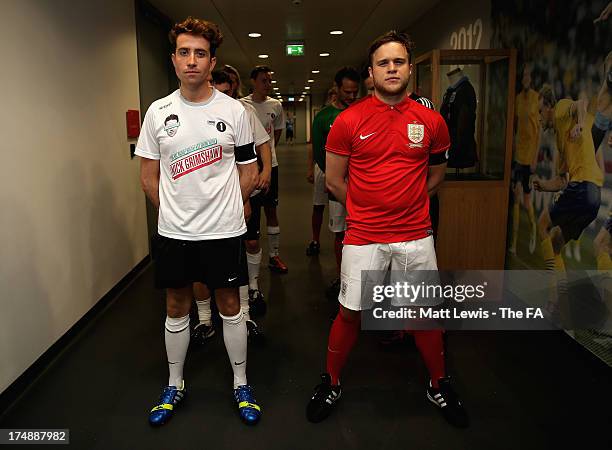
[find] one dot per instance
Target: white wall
(72, 219)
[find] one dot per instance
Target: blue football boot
(169, 398)
(249, 410)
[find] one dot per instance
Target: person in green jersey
(347, 84)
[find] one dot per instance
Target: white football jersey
(272, 117)
(198, 146)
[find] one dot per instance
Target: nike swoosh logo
(237, 364)
(362, 137)
(232, 279)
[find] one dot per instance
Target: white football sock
(235, 338)
(244, 301)
(177, 341)
(253, 263)
(273, 240)
(204, 313)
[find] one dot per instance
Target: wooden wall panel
(472, 229)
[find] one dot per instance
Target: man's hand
(576, 132)
(553, 185)
(263, 184)
(539, 184)
(247, 210)
(310, 175)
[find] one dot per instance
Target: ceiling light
(316, 71)
(301, 100)
(323, 54)
(254, 35)
(311, 81)
(336, 32)
(271, 73)
(273, 81)
(306, 87)
(275, 88)
(262, 56)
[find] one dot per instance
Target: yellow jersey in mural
(576, 157)
(527, 127)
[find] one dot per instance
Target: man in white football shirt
(198, 166)
(270, 113)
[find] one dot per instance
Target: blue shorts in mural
(576, 208)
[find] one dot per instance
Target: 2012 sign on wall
(467, 38)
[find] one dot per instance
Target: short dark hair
(365, 73)
(220, 77)
(170, 117)
(346, 72)
(547, 94)
(259, 69)
(198, 27)
(391, 36)
(231, 70)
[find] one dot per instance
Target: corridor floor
(523, 390)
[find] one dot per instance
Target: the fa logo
(416, 132)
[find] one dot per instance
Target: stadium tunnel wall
(565, 49)
(73, 222)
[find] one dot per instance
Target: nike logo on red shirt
(362, 137)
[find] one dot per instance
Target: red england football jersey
(388, 149)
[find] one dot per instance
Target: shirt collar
(382, 106)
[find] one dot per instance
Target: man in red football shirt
(386, 155)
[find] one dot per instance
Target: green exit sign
(295, 49)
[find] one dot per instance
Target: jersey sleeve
(563, 113)
(243, 140)
(339, 138)
(260, 135)
(440, 141)
(279, 120)
(317, 134)
(147, 145)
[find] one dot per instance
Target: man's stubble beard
(382, 90)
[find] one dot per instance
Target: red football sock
(342, 338)
(338, 250)
(317, 221)
(431, 347)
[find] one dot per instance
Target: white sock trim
(177, 324)
(254, 258)
(233, 320)
(274, 230)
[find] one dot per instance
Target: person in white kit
(256, 298)
(204, 329)
(198, 166)
(270, 113)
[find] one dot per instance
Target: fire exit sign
(295, 49)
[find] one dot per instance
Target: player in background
(271, 115)
(526, 141)
(579, 181)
